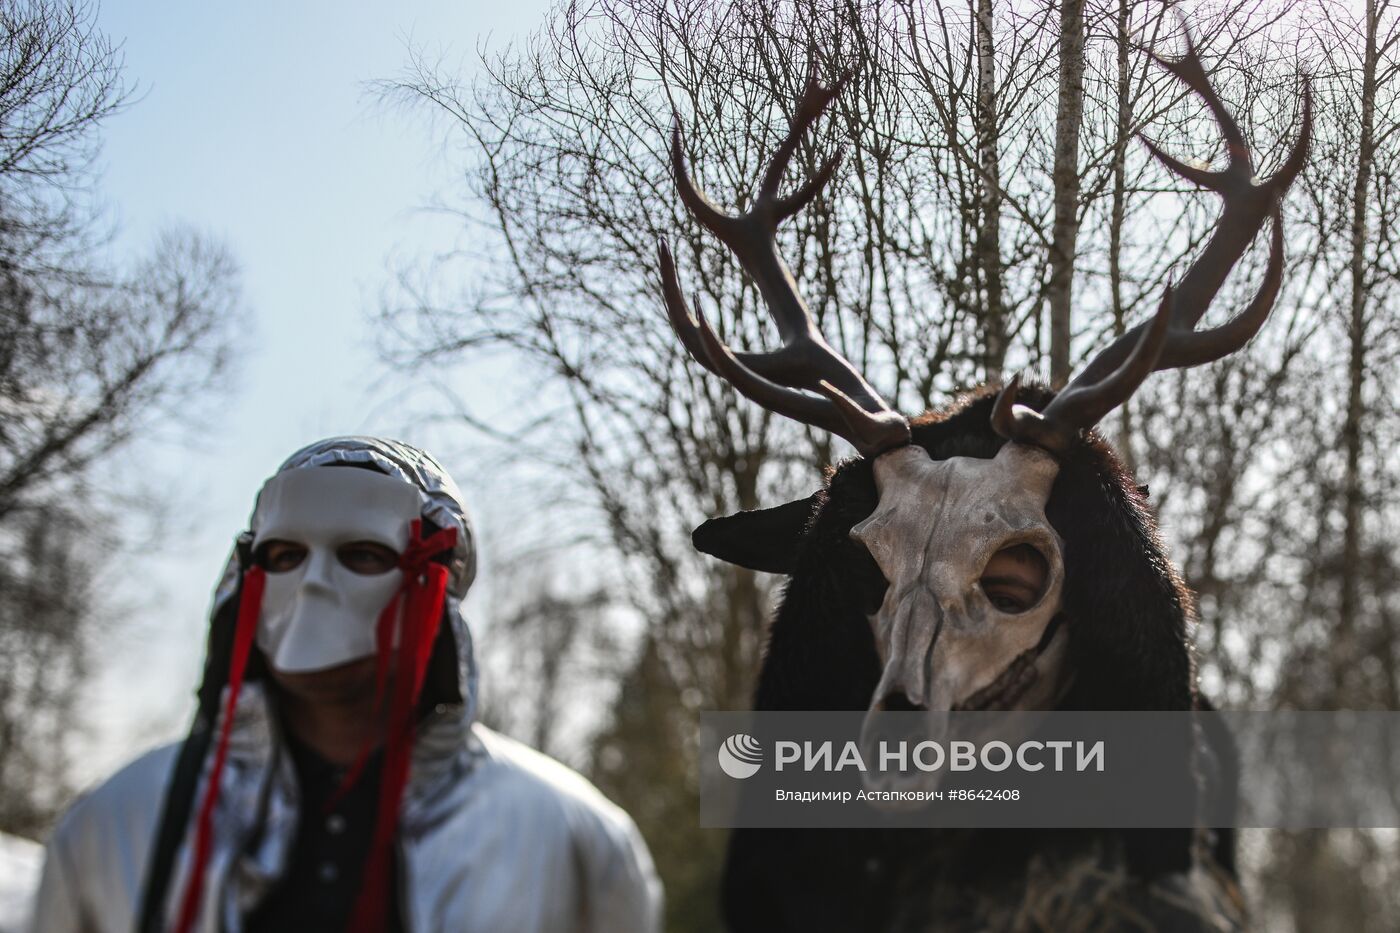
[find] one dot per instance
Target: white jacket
(517, 842)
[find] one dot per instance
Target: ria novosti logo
(740, 756)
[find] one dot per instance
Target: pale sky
(254, 124)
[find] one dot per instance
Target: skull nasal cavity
(898, 702)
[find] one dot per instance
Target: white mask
(320, 613)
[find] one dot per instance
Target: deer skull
(943, 643)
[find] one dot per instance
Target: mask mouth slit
(1008, 686)
(1014, 680)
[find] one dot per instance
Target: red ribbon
(250, 603)
(423, 592)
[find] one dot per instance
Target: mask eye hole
(367, 557)
(1015, 578)
(278, 556)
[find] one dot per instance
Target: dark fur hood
(1129, 617)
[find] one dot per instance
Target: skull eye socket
(1015, 578)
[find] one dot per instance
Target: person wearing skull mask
(334, 777)
(995, 555)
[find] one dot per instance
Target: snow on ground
(20, 861)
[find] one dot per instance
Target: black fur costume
(1129, 617)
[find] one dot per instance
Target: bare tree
(59, 77)
(46, 589)
(85, 364)
(1276, 473)
(1370, 281)
(1065, 178)
(544, 650)
(91, 355)
(989, 158)
(1118, 205)
(990, 176)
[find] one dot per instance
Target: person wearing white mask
(334, 778)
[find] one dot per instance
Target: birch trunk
(989, 224)
(1353, 497)
(1118, 210)
(1065, 234)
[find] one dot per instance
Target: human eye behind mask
(1014, 579)
(367, 558)
(279, 556)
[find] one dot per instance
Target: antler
(1170, 340)
(845, 405)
